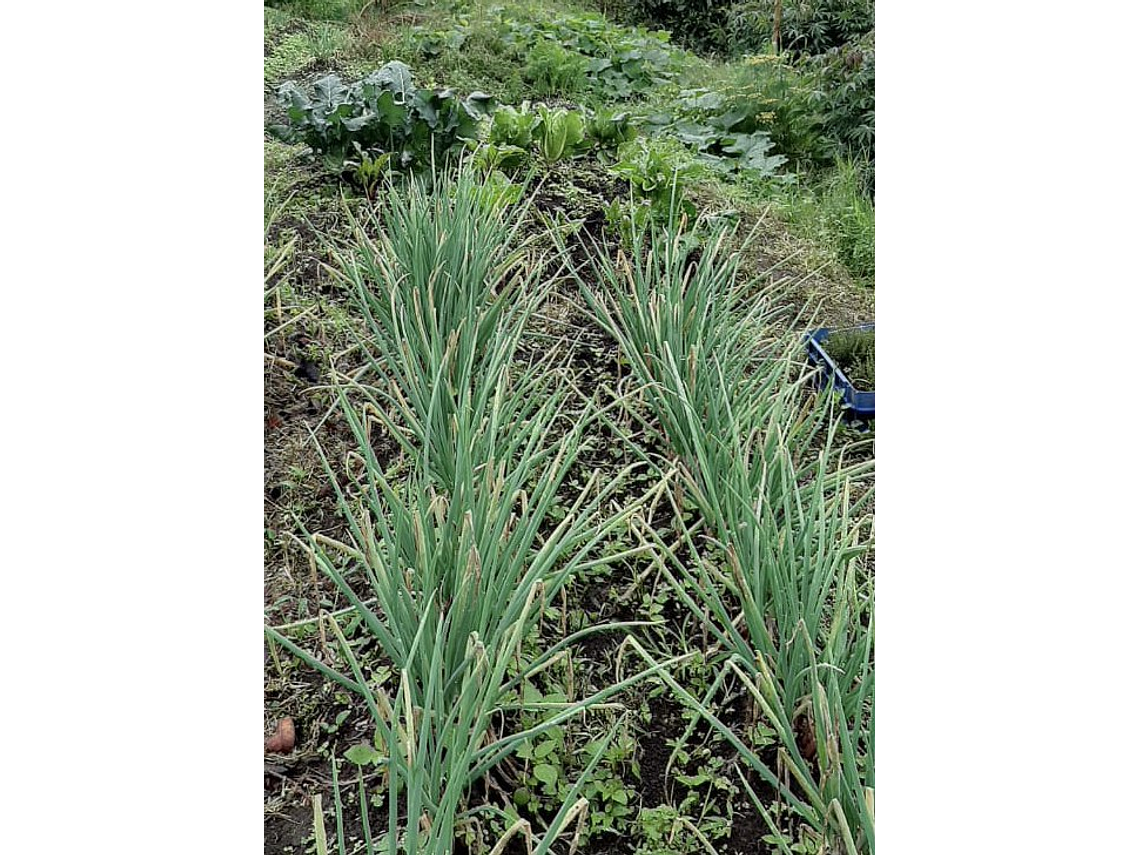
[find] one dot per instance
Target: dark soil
(286, 832)
(665, 723)
(747, 829)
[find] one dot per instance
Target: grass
(324, 10)
(559, 495)
(295, 46)
(834, 212)
(854, 352)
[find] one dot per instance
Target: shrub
(767, 93)
(806, 26)
(693, 23)
(843, 90)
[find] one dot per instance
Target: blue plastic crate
(860, 403)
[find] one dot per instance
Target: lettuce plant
(609, 128)
(560, 132)
(510, 126)
(656, 176)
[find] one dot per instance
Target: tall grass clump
(773, 566)
(322, 10)
(837, 212)
(451, 569)
(849, 216)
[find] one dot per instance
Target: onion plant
(444, 279)
(276, 255)
(692, 333)
(451, 569)
(772, 566)
(788, 601)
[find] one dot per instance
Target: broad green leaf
(396, 77)
(742, 144)
(330, 93)
(546, 773)
(730, 118)
(761, 162)
(427, 108)
(391, 114)
(531, 694)
(363, 755)
(692, 133)
(693, 780)
(543, 749)
(480, 103)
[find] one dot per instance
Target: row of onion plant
(451, 566)
(775, 565)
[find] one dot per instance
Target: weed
(298, 51)
(319, 10)
(854, 353)
(834, 212)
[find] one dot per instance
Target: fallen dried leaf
(805, 737)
